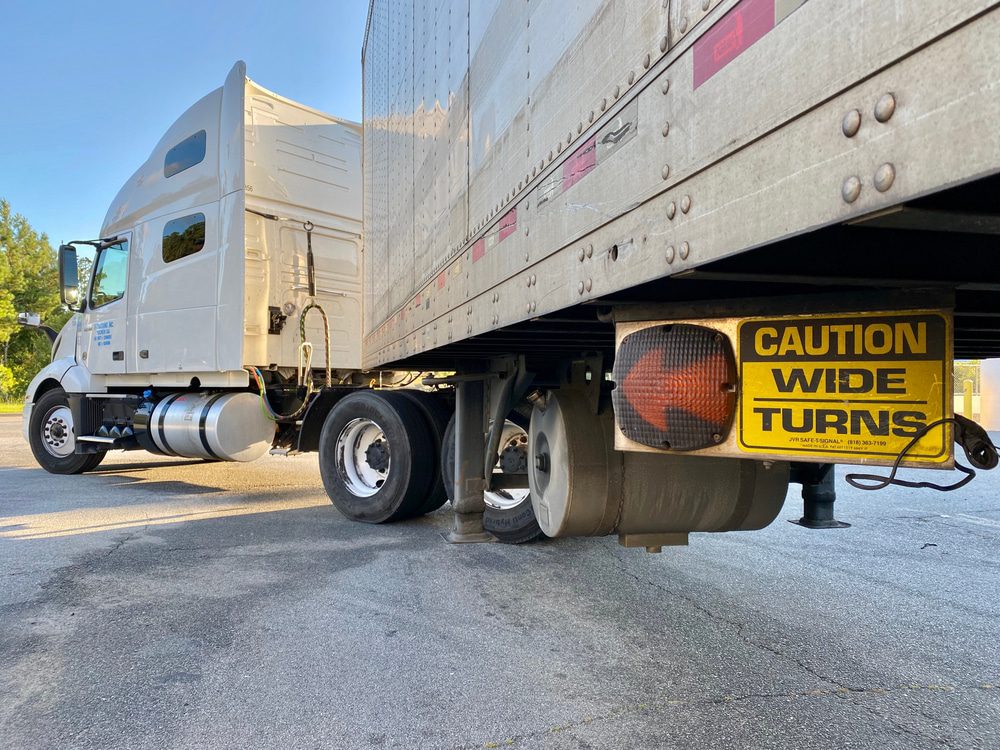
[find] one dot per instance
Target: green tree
(28, 283)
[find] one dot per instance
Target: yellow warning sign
(846, 387)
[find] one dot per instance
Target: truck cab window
(185, 154)
(183, 237)
(110, 275)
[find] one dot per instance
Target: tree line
(28, 283)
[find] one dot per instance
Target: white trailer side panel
(675, 133)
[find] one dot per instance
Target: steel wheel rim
(359, 477)
(57, 435)
(512, 435)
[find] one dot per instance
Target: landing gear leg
(470, 452)
(818, 496)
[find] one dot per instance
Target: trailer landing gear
(818, 496)
(470, 456)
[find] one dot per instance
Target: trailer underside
(942, 247)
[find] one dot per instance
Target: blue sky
(89, 87)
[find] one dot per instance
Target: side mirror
(69, 278)
(29, 320)
(34, 320)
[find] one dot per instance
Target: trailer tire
(52, 436)
(510, 525)
(375, 457)
(436, 415)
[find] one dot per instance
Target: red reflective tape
(416, 300)
(478, 249)
(441, 280)
(734, 33)
(508, 224)
(580, 163)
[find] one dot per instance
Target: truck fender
(48, 377)
(65, 373)
(315, 416)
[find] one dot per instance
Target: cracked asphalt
(159, 603)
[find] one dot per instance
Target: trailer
(595, 268)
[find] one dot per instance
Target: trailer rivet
(550, 154)
(665, 172)
(885, 107)
(717, 437)
(670, 253)
(533, 280)
(685, 250)
(646, 61)
(590, 251)
(671, 210)
(851, 189)
(526, 234)
(884, 177)
(705, 4)
(685, 204)
(589, 284)
(663, 46)
(591, 117)
(533, 306)
(604, 104)
(526, 257)
(852, 123)
(665, 86)
(618, 91)
(666, 129)
(579, 128)
(527, 307)
(579, 288)
(581, 255)
(631, 77)
(683, 25)
(528, 281)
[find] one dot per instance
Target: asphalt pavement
(162, 603)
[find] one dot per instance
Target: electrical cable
(978, 453)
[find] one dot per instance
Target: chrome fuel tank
(222, 426)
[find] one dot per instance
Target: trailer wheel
(508, 515)
(52, 436)
(375, 457)
(436, 414)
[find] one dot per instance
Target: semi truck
(610, 267)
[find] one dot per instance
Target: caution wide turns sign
(849, 388)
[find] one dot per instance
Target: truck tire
(375, 457)
(52, 436)
(509, 518)
(436, 415)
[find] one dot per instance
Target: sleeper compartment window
(183, 236)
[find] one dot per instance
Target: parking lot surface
(165, 603)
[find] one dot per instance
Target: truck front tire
(375, 457)
(52, 436)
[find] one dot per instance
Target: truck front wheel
(375, 457)
(53, 436)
